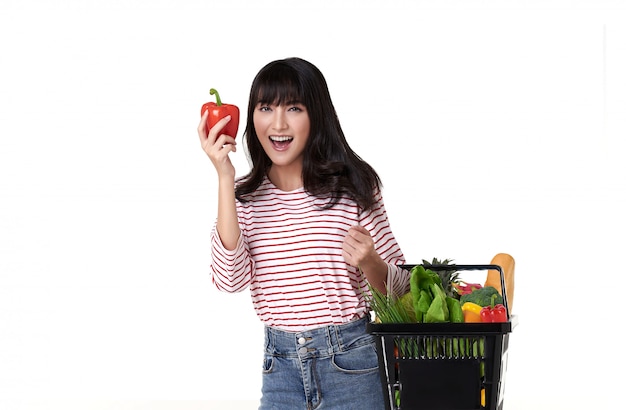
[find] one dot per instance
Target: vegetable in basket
(463, 288)
(482, 296)
(471, 312)
(390, 309)
(456, 313)
(493, 313)
(429, 298)
(438, 310)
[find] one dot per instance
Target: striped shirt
(289, 254)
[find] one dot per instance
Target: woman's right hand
(217, 146)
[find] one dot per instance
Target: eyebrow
(290, 102)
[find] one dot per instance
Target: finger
(227, 139)
(216, 130)
(359, 229)
(221, 142)
(228, 148)
(359, 234)
(347, 257)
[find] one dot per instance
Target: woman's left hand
(358, 247)
(359, 250)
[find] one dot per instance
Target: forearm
(227, 221)
(375, 271)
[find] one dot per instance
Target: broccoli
(482, 296)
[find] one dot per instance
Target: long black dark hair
(330, 167)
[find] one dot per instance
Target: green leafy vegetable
(424, 301)
(454, 307)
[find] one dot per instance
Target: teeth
(280, 138)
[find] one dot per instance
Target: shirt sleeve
(376, 222)
(231, 270)
(398, 280)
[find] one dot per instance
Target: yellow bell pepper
(471, 312)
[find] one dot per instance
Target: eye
(296, 108)
(263, 108)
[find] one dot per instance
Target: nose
(279, 120)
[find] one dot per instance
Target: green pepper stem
(217, 96)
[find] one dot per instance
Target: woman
(307, 232)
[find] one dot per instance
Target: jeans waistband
(322, 341)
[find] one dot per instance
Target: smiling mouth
(280, 142)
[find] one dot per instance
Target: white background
(496, 126)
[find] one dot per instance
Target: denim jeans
(328, 368)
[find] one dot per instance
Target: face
(283, 131)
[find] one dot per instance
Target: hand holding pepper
(217, 111)
(216, 137)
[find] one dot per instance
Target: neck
(286, 178)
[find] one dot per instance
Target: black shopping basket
(444, 366)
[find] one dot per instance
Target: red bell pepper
(493, 313)
(217, 111)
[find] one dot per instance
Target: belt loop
(330, 339)
(269, 342)
(337, 336)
